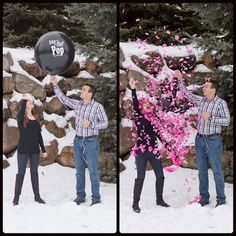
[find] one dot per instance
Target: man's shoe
(219, 203)
(95, 202)
(203, 203)
(78, 201)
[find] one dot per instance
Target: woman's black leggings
(22, 162)
(141, 162)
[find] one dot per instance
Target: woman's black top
(30, 136)
(147, 133)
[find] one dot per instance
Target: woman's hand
(177, 74)
(45, 154)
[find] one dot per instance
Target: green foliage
(99, 19)
(106, 95)
(25, 23)
(155, 19)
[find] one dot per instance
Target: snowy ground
(60, 214)
(180, 187)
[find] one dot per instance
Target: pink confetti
(171, 168)
(197, 198)
(176, 37)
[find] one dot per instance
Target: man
(213, 113)
(90, 118)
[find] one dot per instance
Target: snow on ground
(180, 187)
(60, 214)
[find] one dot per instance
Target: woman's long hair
(26, 119)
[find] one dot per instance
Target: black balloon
(54, 52)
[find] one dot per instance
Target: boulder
(190, 159)
(127, 109)
(6, 114)
(10, 138)
(54, 106)
(54, 129)
(8, 85)
(126, 140)
(72, 121)
(52, 151)
(121, 57)
(186, 63)
(33, 69)
(63, 84)
(152, 64)
(7, 62)
(121, 167)
(123, 82)
(14, 108)
(66, 157)
(26, 85)
(73, 70)
(5, 164)
(91, 67)
(107, 165)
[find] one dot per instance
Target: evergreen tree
(25, 23)
(100, 22)
(146, 21)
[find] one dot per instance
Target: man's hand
(205, 115)
(177, 74)
(86, 123)
(53, 80)
(132, 83)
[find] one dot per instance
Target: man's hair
(214, 83)
(92, 89)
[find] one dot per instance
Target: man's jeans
(86, 152)
(209, 148)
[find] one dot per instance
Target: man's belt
(208, 135)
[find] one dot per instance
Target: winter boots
(138, 185)
(18, 186)
(35, 186)
(159, 192)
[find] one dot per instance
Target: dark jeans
(22, 161)
(210, 149)
(141, 162)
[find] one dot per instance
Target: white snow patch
(12, 122)
(59, 120)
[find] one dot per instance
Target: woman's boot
(35, 186)
(159, 192)
(138, 185)
(18, 187)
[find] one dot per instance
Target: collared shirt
(93, 111)
(217, 107)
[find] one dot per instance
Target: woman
(28, 147)
(146, 144)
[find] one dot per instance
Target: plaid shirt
(217, 108)
(93, 111)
